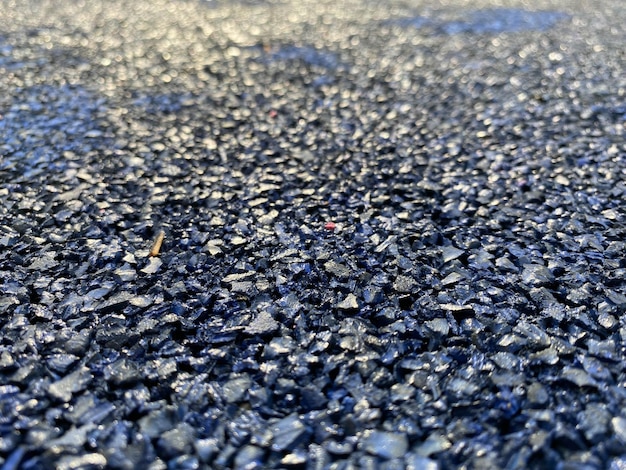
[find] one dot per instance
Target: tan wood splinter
(158, 241)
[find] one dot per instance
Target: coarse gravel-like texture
(394, 234)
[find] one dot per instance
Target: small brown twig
(158, 241)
